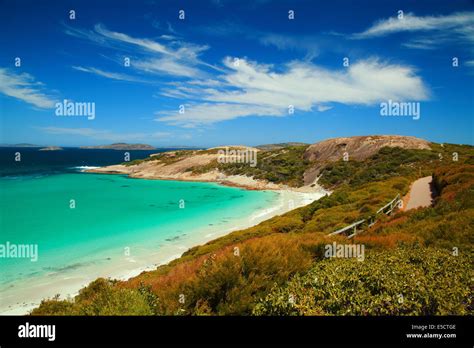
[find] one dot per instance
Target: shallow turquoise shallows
(76, 218)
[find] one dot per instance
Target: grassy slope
(254, 271)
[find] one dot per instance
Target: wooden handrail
(389, 203)
(355, 224)
(370, 223)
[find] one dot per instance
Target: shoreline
(237, 181)
(34, 290)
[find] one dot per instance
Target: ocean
(33, 162)
(87, 225)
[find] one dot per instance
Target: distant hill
(360, 147)
(356, 148)
(20, 145)
(121, 146)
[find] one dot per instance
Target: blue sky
(236, 67)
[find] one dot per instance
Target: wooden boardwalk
(355, 228)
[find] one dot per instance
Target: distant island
(121, 146)
(51, 148)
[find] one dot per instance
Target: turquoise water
(111, 213)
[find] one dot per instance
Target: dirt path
(420, 195)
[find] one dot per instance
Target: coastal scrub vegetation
(166, 158)
(281, 166)
(417, 262)
(405, 281)
(388, 162)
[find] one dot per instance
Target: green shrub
(101, 297)
(404, 281)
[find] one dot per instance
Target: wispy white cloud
(470, 65)
(168, 37)
(170, 56)
(208, 113)
(146, 44)
(166, 66)
(24, 87)
(106, 135)
(425, 43)
(322, 108)
(110, 75)
(432, 32)
(411, 22)
(252, 89)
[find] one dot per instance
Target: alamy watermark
(345, 251)
(21, 251)
(37, 331)
(232, 155)
(69, 108)
(394, 108)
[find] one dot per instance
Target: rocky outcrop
(356, 148)
(51, 148)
